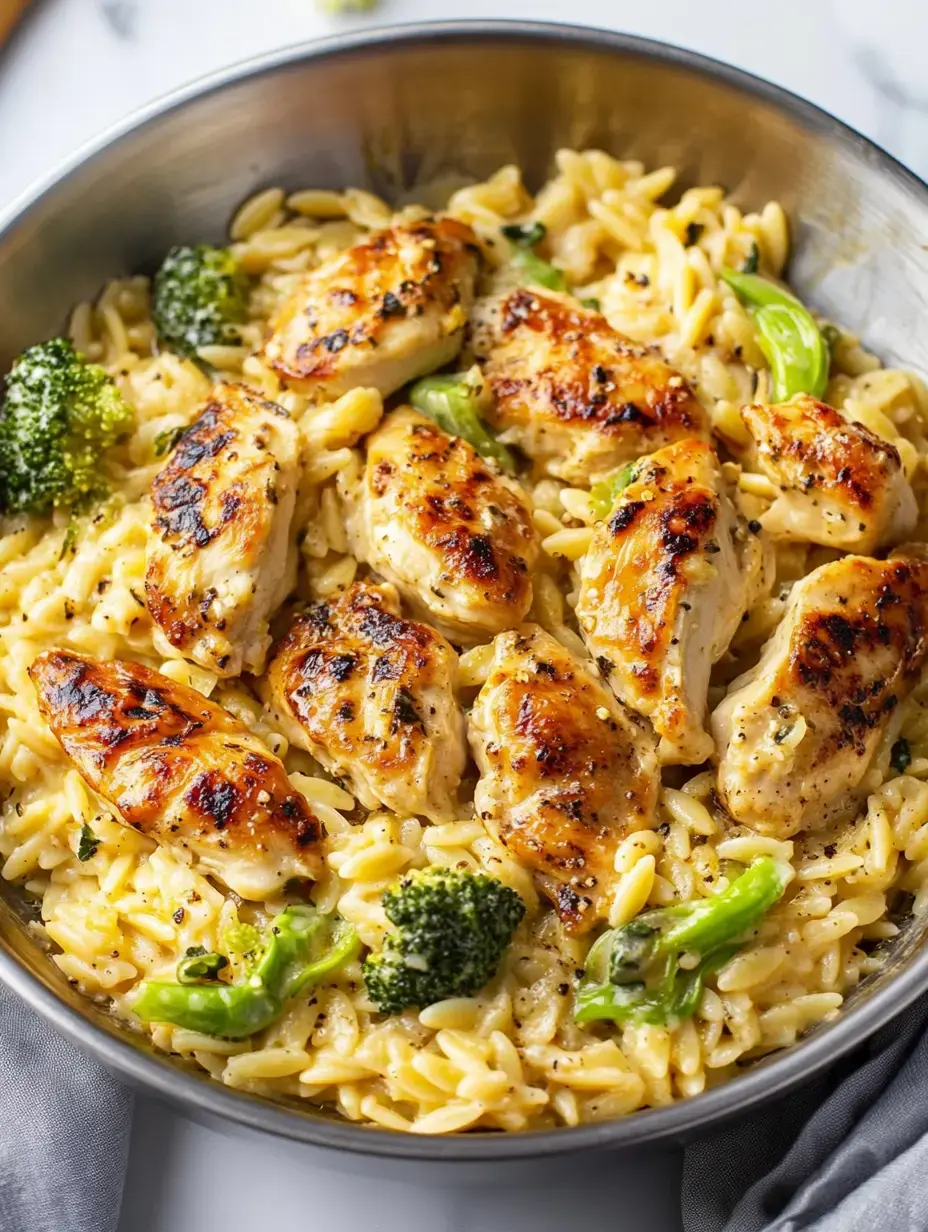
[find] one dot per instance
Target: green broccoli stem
(534, 270)
(283, 971)
(232, 1011)
(675, 998)
(787, 334)
(451, 402)
(531, 268)
(706, 923)
(634, 973)
(605, 493)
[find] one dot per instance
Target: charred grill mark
(381, 628)
(178, 503)
(386, 668)
(231, 503)
(318, 616)
(304, 828)
(308, 668)
(214, 797)
(478, 557)
(341, 666)
(687, 520)
(404, 712)
(625, 516)
(568, 904)
(333, 343)
(82, 700)
(201, 441)
(392, 306)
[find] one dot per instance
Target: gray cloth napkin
(64, 1130)
(848, 1152)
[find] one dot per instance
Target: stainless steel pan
(391, 110)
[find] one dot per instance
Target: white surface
(78, 65)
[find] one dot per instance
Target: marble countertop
(76, 66)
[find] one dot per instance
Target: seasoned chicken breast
(796, 733)
(565, 771)
(371, 696)
(180, 770)
(435, 519)
(386, 311)
(840, 484)
(220, 552)
(663, 588)
(575, 395)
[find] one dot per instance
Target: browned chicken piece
(840, 484)
(180, 770)
(797, 733)
(220, 555)
(578, 397)
(663, 588)
(386, 311)
(371, 696)
(434, 518)
(565, 771)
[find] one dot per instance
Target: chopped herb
(592, 303)
(531, 268)
(832, 336)
(404, 708)
(751, 261)
(166, 440)
(200, 964)
(70, 537)
(901, 756)
(88, 844)
(526, 235)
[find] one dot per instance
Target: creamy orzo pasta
(119, 907)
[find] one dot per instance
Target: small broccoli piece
(59, 415)
(452, 927)
(200, 298)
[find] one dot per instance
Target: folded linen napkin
(64, 1130)
(848, 1152)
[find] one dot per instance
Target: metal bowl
(392, 110)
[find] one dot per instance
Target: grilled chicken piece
(796, 734)
(220, 555)
(663, 588)
(435, 519)
(371, 696)
(180, 770)
(389, 310)
(575, 395)
(841, 485)
(565, 771)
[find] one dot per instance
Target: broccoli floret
(452, 927)
(59, 415)
(200, 298)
